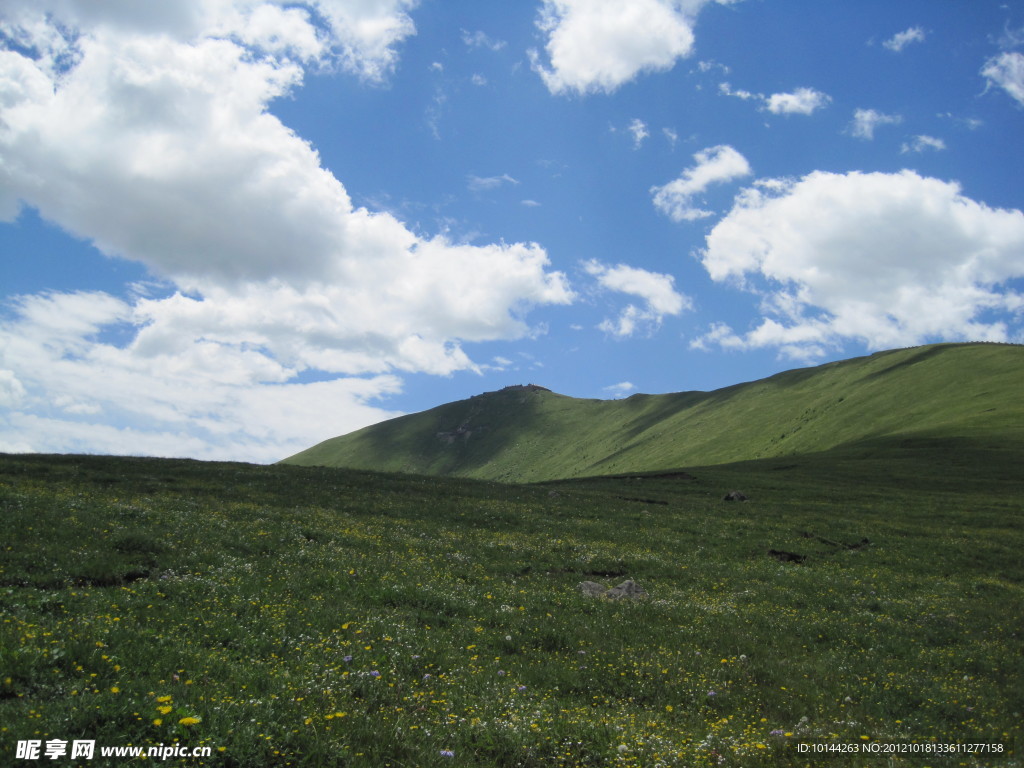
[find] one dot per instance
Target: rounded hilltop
(521, 388)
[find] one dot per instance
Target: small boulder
(735, 496)
(592, 589)
(627, 589)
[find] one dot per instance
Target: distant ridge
(527, 433)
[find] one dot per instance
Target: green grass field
(297, 616)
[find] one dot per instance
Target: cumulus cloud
(886, 259)
(866, 120)
(206, 398)
(923, 144)
(638, 128)
(166, 127)
(598, 45)
(357, 36)
(272, 275)
(655, 289)
(802, 101)
(1007, 72)
(726, 89)
(715, 165)
(900, 40)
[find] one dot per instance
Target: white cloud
(621, 389)
(484, 183)
(598, 45)
(359, 36)
(629, 321)
(885, 259)
(715, 165)
(707, 66)
(1007, 72)
(922, 144)
(12, 391)
(866, 120)
(802, 101)
(164, 127)
(481, 39)
(1011, 38)
(727, 90)
(365, 34)
(900, 40)
(639, 130)
(274, 275)
(657, 291)
(205, 398)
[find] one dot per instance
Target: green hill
(942, 394)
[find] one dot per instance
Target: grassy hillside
(293, 616)
(530, 434)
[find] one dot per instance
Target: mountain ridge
(527, 433)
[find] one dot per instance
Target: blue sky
(230, 229)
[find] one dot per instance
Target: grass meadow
(294, 616)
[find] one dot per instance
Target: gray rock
(592, 589)
(627, 589)
(735, 496)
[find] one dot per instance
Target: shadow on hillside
(670, 404)
(463, 436)
(919, 357)
(665, 406)
(919, 464)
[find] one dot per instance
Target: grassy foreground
(292, 616)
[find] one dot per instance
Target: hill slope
(527, 434)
